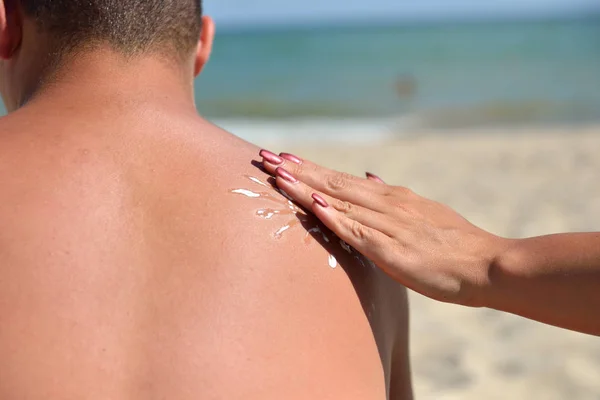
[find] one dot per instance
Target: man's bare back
(129, 269)
(135, 262)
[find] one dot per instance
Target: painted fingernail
(291, 157)
(271, 157)
(319, 200)
(285, 175)
(374, 177)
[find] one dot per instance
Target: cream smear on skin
(285, 207)
(288, 207)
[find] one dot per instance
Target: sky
(248, 12)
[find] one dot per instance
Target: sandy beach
(516, 183)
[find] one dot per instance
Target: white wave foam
(302, 131)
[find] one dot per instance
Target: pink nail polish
(291, 157)
(319, 200)
(271, 157)
(374, 177)
(285, 175)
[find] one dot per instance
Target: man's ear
(11, 31)
(205, 43)
(3, 31)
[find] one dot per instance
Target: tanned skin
(129, 269)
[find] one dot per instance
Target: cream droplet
(346, 247)
(332, 261)
(285, 194)
(313, 230)
(246, 193)
(267, 214)
(281, 230)
(256, 180)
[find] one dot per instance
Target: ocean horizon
(446, 74)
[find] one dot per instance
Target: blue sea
(439, 74)
(446, 74)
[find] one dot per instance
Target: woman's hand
(422, 244)
(431, 249)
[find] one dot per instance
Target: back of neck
(104, 77)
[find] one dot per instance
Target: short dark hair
(129, 26)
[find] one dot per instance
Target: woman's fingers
(418, 242)
(374, 178)
(302, 194)
(362, 192)
(386, 252)
(370, 242)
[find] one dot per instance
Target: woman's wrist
(505, 273)
(502, 256)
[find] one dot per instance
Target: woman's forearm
(552, 279)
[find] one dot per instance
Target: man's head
(37, 36)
